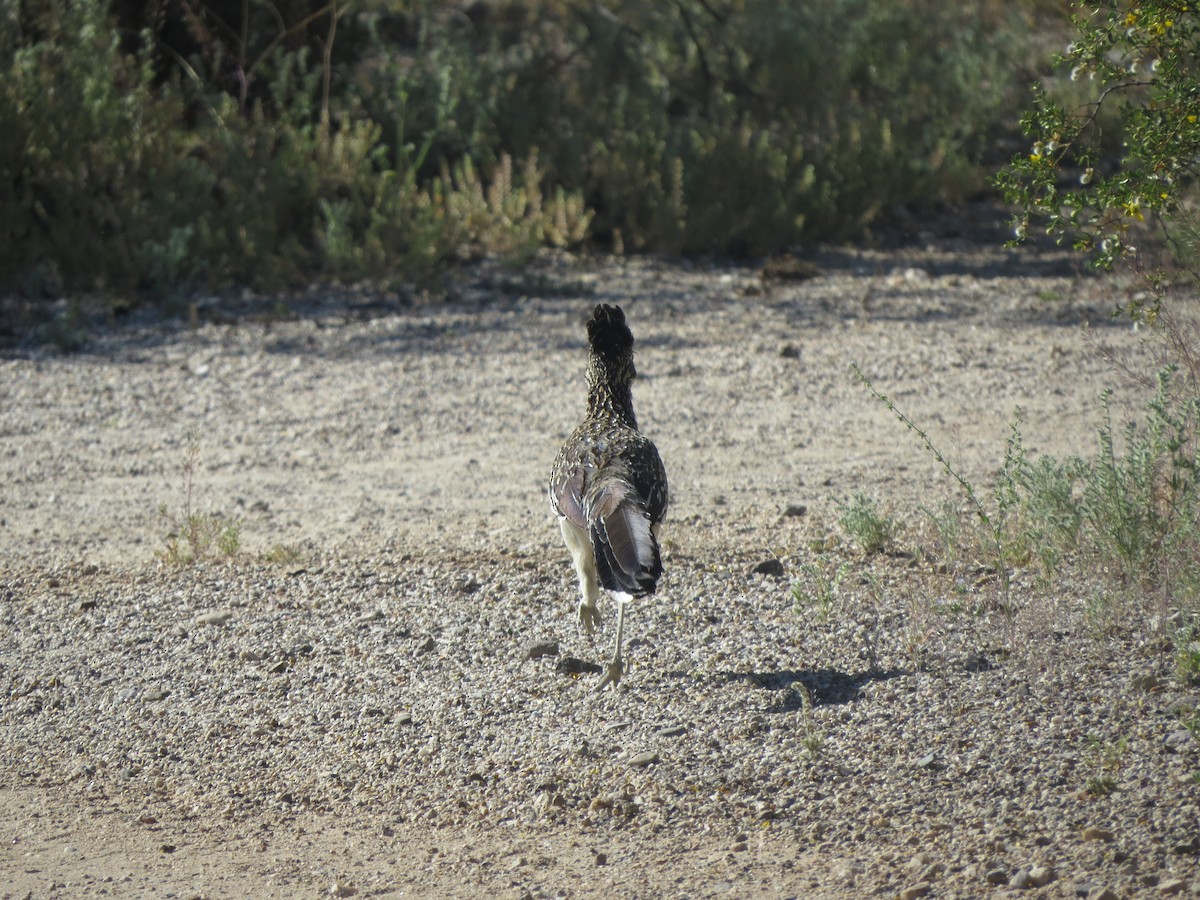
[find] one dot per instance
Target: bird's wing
(567, 495)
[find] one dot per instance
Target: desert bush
(1135, 69)
(114, 191)
(306, 141)
(726, 127)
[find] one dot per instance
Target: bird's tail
(626, 550)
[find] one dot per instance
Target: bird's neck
(608, 398)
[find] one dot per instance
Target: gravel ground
(379, 694)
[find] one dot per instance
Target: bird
(608, 486)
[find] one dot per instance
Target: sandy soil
(350, 705)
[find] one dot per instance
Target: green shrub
(860, 519)
(1136, 68)
(728, 127)
(306, 142)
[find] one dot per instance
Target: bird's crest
(608, 334)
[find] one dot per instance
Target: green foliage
(1138, 67)
(192, 535)
(1142, 505)
(860, 519)
(279, 145)
(995, 526)
(1103, 760)
(731, 126)
(1187, 658)
(1130, 512)
(816, 589)
(127, 182)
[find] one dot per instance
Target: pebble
(996, 876)
(1172, 886)
(1144, 681)
(1102, 893)
(772, 568)
(913, 891)
(1040, 876)
(540, 648)
(1179, 740)
(215, 617)
(643, 759)
(1095, 833)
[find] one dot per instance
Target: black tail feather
(627, 553)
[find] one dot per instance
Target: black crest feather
(608, 334)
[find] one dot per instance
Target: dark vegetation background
(153, 148)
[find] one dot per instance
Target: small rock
(847, 870)
(795, 511)
(927, 761)
(772, 568)
(789, 351)
(913, 891)
(428, 646)
(1094, 833)
(600, 803)
(1172, 886)
(1102, 893)
(215, 617)
(341, 890)
(1144, 681)
(1040, 876)
(601, 859)
(643, 759)
(538, 649)
(1178, 739)
(996, 876)
(1021, 880)
(931, 872)
(155, 696)
(86, 605)
(1191, 848)
(671, 730)
(367, 618)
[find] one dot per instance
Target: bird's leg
(580, 546)
(616, 665)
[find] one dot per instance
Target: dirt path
(349, 706)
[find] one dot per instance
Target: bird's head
(612, 342)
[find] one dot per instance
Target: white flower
(1086, 177)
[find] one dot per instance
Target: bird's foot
(589, 617)
(612, 675)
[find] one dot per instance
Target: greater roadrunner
(608, 486)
